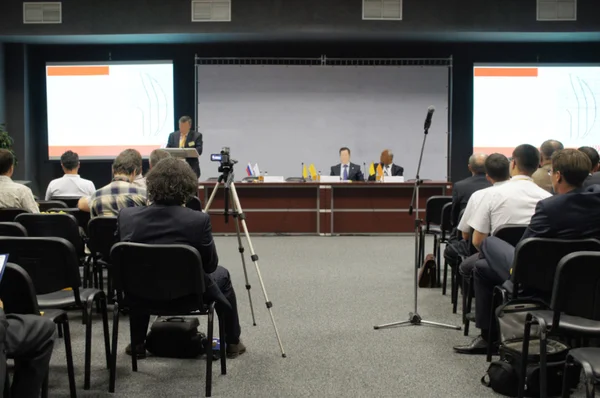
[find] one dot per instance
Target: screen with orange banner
(528, 104)
(100, 109)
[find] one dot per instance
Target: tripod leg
(241, 250)
(254, 257)
(211, 198)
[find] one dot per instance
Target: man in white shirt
(511, 203)
(13, 195)
(70, 184)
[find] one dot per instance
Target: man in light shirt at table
(70, 184)
(12, 194)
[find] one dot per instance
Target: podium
(182, 153)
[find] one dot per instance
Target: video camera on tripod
(225, 161)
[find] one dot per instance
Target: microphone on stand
(303, 172)
(430, 111)
(365, 171)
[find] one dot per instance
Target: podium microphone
(365, 171)
(430, 111)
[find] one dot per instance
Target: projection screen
(281, 116)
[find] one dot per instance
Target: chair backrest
(194, 203)
(577, 286)
(82, 217)
(71, 201)
(510, 233)
(158, 276)
(9, 214)
(52, 263)
(55, 225)
(12, 229)
(46, 205)
(101, 235)
(433, 209)
(536, 260)
(446, 223)
(17, 292)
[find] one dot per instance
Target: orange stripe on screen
(77, 70)
(506, 72)
(506, 151)
(100, 151)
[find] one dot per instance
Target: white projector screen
(98, 110)
(280, 116)
(528, 104)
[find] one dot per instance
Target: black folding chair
(101, 238)
(12, 229)
(511, 234)
(139, 273)
(55, 225)
(446, 230)
(46, 205)
(18, 296)
(433, 221)
(533, 270)
(194, 203)
(574, 311)
(53, 266)
(9, 214)
(71, 201)
(82, 217)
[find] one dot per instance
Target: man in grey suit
(346, 170)
(185, 137)
(29, 340)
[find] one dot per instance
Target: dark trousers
(491, 270)
(29, 341)
(221, 277)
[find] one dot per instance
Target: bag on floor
(428, 272)
(511, 318)
(176, 337)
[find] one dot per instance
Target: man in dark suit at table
(387, 164)
(345, 169)
(185, 137)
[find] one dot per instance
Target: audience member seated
(345, 169)
(12, 194)
(594, 177)
(542, 176)
(155, 156)
(170, 184)
(29, 340)
(574, 213)
(139, 180)
(120, 193)
(461, 193)
(70, 184)
(386, 160)
(497, 173)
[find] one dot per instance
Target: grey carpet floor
(327, 292)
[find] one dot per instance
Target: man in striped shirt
(120, 193)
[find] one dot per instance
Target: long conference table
(322, 208)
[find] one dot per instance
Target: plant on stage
(6, 141)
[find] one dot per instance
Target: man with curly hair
(170, 184)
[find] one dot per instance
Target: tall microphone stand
(413, 317)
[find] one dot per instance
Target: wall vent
(42, 13)
(556, 10)
(211, 10)
(382, 10)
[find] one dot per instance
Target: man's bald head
(477, 163)
(387, 157)
(548, 148)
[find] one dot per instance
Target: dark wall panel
(295, 16)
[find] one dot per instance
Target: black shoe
(140, 351)
(476, 347)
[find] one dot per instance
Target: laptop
(3, 261)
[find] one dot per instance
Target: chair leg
(59, 330)
(133, 347)
(6, 389)
(445, 283)
(88, 345)
(210, 331)
(565, 388)
(115, 336)
(491, 325)
(45, 386)
(525, 353)
(436, 253)
(104, 308)
(222, 352)
(469, 306)
(456, 281)
(69, 357)
(543, 362)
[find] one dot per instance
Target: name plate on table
(329, 179)
(273, 179)
(392, 179)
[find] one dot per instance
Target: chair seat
(433, 230)
(54, 315)
(570, 323)
(589, 355)
(64, 298)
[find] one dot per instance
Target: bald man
(542, 176)
(462, 190)
(387, 163)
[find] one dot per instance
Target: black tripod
(238, 214)
(413, 317)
